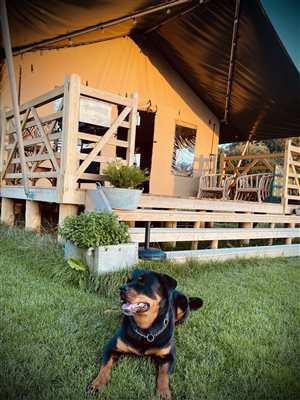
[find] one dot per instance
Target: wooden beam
(41, 100)
(106, 96)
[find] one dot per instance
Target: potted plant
(125, 193)
(100, 240)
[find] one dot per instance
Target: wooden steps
(204, 234)
(292, 250)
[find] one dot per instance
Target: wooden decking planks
(192, 203)
(195, 216)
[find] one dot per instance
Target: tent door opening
(143, 142)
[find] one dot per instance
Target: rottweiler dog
(151, 308)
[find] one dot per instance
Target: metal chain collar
(151, 336)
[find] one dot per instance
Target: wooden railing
(291, 175)
(52, 138)
(253, 163)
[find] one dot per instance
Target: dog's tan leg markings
(103, 376)
(162, 386)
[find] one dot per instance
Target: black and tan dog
(151, 308)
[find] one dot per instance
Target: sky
(285, 17)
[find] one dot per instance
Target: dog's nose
(124, 289)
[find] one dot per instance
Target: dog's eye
(140, 280)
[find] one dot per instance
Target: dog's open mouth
(134, 308)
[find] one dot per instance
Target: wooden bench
(255, 187)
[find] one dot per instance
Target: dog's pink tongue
(128, 307)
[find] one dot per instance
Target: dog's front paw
(93, 388)
(164, 394)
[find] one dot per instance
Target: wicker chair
(215, 186)
(255, 187)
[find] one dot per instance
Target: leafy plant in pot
(100, 240)
(125, 193)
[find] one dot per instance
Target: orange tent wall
(119, 66)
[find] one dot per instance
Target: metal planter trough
(121, 198)
(104, 259)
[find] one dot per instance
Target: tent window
(184, 150)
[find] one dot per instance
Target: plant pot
(105, 258)
(122, 199)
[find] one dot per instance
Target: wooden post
(3, 142)
(7, 211)
(213, 243)
(13, 90)
(286, 174)
(246, 242)
(271, 226)
(289, 240)
(33, 216)
(66, 210)
(197, 224)
(171, 224)
(132, 130)
(194, 243)
(222, 164)
(67, 184)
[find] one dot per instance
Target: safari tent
(160, 83)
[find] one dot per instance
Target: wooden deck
(52, 154)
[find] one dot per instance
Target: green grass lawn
(244, 343)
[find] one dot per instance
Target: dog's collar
(151, 336)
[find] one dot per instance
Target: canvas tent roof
(195, 37)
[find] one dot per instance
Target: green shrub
(94, 228)
(122, 176)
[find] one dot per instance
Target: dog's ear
(137, 272)
(169, 282)
(195, 303)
